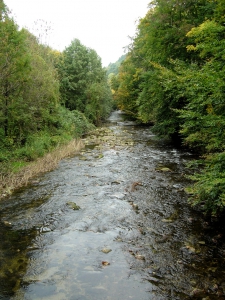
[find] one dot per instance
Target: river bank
(14, 180)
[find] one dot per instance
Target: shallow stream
(134, 236)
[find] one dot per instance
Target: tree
(73, 69)
(41, 93)
(113, 68)
(204, 114)
(14, 72)
(99, 102)
(128, 87)
(83, 81)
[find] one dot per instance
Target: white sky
(103, 25)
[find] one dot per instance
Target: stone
(139, 256)
(73, 205)
(105, 263)
(201, 242)
(167, 220)
(106, 250)
(6, 223)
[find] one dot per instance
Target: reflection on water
(134, 236)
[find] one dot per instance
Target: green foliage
(113, 82)
(99, 102)
(69, 125)
(82, 124)
(72, 123)
(29, 88)
(128, 87)
(113, 68)
(41, 93)
(209, 187)
(113, 77)
(81, 74)
(14, 72)
(73, 68)
(205, 110)
(209, 40)
(219, 13)
(36, 146)
(32, 119)
(203, 115)
(174, 77)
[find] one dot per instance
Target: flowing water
(134, 236)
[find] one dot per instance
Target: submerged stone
(45, 229)
(165, 169)
(83, 158)
(105, 263)
(191, 249)
(201, 242)
(106, 250)
(167, 220)
(139, 256)
(135, 206)
(197, 293)
(73, 205)
(6, 223)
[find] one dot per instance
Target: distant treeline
(46, 97)
(113, 68)
(174, 77)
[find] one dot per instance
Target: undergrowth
(41, 151)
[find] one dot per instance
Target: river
(134, 235)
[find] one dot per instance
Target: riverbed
(112, 222)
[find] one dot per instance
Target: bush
(209, 187)
(73, 123)
(36, 146)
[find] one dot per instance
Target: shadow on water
(134, 236)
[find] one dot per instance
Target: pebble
(106, 250)
(139, 256)
(105, 263)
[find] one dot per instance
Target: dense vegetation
(46, 97)
(174, 77)
(112, 72)
(113, 68)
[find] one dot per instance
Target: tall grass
(13, 180)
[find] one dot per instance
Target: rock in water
(106, 250)
(73, 205)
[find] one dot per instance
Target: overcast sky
(103, 25)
